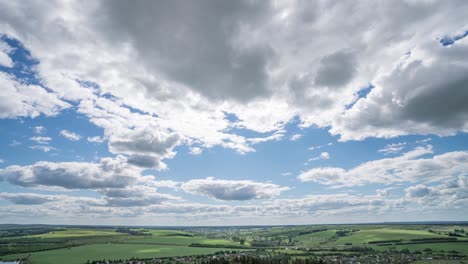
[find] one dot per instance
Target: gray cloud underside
(264, 62)
(232, 190)
(109, 173)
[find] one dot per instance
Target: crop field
(81, 254)
(372, 235)
(437, 247)
(53, 245)
(179, 238)
(316, 239)
(439, 262)
(77, 232)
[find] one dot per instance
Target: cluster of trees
(345, 232)
(263, 260)
(239, 239)
(17, 232)
(132, 232)
(273, 242)
(457, 233)
(226, 259)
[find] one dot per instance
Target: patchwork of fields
(78, 245)
(81, 254)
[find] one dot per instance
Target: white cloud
(383, 192)
(196, 151)
(144, 205)
(451, 194)
(329, 204)
(321, 146)
(323, 175)
(295, 137)
(393, 148)
(411, 99)
(109, 172)
(42, 147)
(39, 129)
(70, 135)
(232, 190)
(411, 166)
(96, 139)
(424, 140)
(323, 156)
(277, 135)
(21, 100)
(166, 184)
(41, 140)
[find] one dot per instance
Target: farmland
(57, 244)
(81, 254)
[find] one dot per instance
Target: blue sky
(210, 119)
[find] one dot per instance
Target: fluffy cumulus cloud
(145, 147)
(233, 190)
(109, 172)
(246, 62)
(411, 166)
(411, 98)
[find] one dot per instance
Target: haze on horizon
(233, 112)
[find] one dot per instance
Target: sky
(233, 112)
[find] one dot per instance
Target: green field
(362, 237)
(80, 254)
(174, 237)
(440, 262)
(77, 232)
(54, 245)
(316, 239)
(366, 236)
(437, 247)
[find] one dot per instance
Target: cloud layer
(412, 166)
(160, 78)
